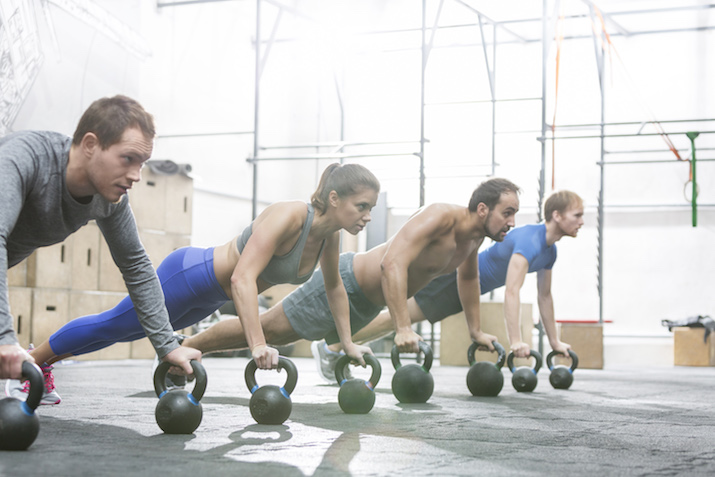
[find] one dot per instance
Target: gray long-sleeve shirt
(37, 210)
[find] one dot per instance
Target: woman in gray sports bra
(285, 243)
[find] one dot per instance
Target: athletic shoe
(326, 360)
(21, 389)
(172, 381)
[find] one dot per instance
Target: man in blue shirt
(525, 249)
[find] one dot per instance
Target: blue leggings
(191, 293)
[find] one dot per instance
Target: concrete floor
(618, 421)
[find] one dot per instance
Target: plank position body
(51, 185)
(283, 245)
(526, 249)
(438, 239)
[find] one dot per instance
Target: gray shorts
(308, 311)
(440, 298)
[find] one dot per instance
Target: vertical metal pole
(542, 173)
(491, 75)
(599, 52)
(694, 178)
(494, 100)
(422, 104)
(254, 202)
(602, 76)
(422, 137)
(544, 58)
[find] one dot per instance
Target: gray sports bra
(284, 268)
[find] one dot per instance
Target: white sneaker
(326, 360)
(21, 389)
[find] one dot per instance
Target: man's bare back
(441, 253)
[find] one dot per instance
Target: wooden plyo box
(455, 339)
(51, 267)
(586, 340)
(85, 257)
(50, 311)
(690, 349)
(21, 311)
(148, 201)
(163, 202)
(17, 275)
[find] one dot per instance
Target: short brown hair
(108, 118)
(560, 202)
(489, 192)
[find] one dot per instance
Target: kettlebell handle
(33, 373)
(501, 353)
(550, 357)
(534, 353)
(424, 348)
(283, 363)
(199, 372)
(371, 361)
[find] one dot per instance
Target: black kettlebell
(179, 411)
(270, 404)
(561, 377)
(357, 396)
(19, 425)
(524, 378)
(412, 383)
(485, 378)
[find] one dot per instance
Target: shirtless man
(526, 249)
(438, 239)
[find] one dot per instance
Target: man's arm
(338, 299)
(415, 236)
(120, 233)
(11, 353)
(12, 176)
(515, 275)
(469, 293)
(546, 310)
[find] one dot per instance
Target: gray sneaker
(326, 360)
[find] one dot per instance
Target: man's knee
(415, 311)
(276, 327)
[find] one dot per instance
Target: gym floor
(617, 421)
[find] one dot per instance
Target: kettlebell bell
(179, 411)
(524, 378)
(357, 396)
(19, 425)
(561, 377)
(485, 378)
(270, 404)
(412, 383)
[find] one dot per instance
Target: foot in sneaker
(21, 389)
(326, 360)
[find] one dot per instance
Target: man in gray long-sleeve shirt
(51, 185)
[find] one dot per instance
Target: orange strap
(658, 126)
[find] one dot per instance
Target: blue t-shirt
(440, 298)
(528, 241)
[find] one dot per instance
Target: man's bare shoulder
(438, 210)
